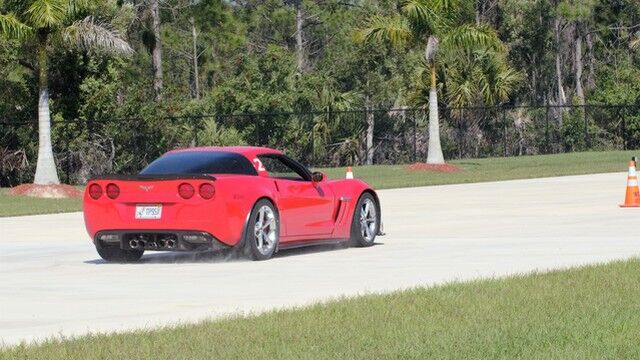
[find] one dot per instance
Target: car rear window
(200, 162)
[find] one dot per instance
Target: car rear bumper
(158, 240)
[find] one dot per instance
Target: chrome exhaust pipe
(171, 243)
(160, 243)
(133, 244)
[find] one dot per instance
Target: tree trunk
(46, 172)
(590, 59)
(301, 59)
(434, 152)
(370, 129)
(562, 99)
(156, 54)
(578, 65)
(196, 80)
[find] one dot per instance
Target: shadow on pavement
(176, 258)
(223, 256)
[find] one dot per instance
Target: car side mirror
(317, 177)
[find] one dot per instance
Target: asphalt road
(53, 283)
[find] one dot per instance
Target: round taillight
(207, 191)
(95, 191)
(113, 191)
(186, 191)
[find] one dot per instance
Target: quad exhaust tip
(159, 244)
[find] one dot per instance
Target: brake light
(207, 191)
(186, 191)
(95, 191)
(113, 191)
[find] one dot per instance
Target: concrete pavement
(53, 282)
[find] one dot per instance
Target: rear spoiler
(154, 177)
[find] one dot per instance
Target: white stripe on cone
(349, 174)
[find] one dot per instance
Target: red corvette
(250, 199)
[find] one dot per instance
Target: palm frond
(635, 43)
(471, 37)
(463, 94)
(423, 15)
(47, 13)
(76, 6)
(11, 27)
(379, 29)
(502, 84)
(87, 34)
(417, 9)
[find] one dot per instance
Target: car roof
(248, 151)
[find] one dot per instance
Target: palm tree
(326, 101)
(472, 78)
(432, 24)
(48, 22)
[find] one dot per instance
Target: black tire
(270, 238)
(357, 237)
(114, 254)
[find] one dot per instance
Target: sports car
(251, 200)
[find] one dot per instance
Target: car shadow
(314, 249)
(177, 258)
(222, 256)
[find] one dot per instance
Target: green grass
(493, 169)
(394, 176)
(11, 205)
(586, 313)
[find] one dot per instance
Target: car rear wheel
(113, 254)
(366, 221)
(262, 235)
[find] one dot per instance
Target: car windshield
(200, 162)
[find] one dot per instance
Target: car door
(306, 208)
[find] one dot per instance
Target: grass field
(590, 312)
(22, 205)
(494, 169)
(393, 176)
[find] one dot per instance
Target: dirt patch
(445, 168)
(46, 191)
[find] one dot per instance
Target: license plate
(148, 211)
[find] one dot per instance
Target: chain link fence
(83, 148)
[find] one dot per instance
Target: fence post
(313, 141)
(369, 119)
(586, 127)
(68, 138)
(623, 123)
(194, 127)
(256, 131)
(460, 138)
(504, 124)
(546, 127)
(415, 139)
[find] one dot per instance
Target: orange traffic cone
(633, 192)
(349, 173)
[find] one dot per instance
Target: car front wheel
(366, 221)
